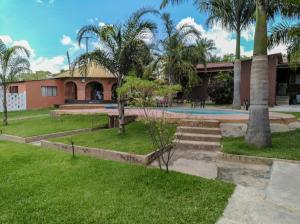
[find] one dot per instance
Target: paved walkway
(264, 194)
(279, 203)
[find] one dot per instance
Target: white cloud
(24, 43)
(50, 2)
(248, 34)
(224, 41)
(93, 20)
(102, 24)
(278, 49)
(66, 40)
(54, 64)
(72, 44)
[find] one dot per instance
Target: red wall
(245, 79)
(82, 94)
(35, 100)
(34, 97)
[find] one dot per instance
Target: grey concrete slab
(249, 206)
(284, 185)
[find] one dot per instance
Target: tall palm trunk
(5, 122)
(259, 131)
(237, 73)
(121, 110)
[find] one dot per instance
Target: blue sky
(48, 27)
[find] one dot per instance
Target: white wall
(15, 101)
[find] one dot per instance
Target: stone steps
(197, 145)
(198, 137)
(200, 123)
(199, 130)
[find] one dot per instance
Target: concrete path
(279, 203)
(264, 194)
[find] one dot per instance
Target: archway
(94, 91)
(70, 91)
(114, 94)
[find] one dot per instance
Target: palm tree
(288, 34)
(177, 55)
(13, 61)
(258, 131)
(122, 48)
(234, 15)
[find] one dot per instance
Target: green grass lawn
(41, 186)
(27, 113)
(135, 140)
(45, 125)
(296, 114)
(285, 146)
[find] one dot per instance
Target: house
(99, 86)
(284, 82)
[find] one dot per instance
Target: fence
(15, 101)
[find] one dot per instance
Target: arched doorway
(114, 94)
(70, 91)
(94, 91)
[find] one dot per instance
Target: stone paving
(264, 193)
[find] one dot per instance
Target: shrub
(220, 89)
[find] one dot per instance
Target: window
(13, 89)
(49, 91)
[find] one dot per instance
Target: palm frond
(87, 30)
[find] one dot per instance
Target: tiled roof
(215, 65)
(93, 72)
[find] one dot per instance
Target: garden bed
(44, 186)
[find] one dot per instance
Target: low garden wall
(19, 139)
(103, 153)
(239, 129)
(251, 159)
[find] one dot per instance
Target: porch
(288, 85)
(90, 91)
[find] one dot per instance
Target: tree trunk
(237, 84)
(237, 73)
(259, 131)
(5, 122)
(121, 110)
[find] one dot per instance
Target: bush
(220, 88)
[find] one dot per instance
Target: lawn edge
(252, 159)
(29, 139)
(103, 153)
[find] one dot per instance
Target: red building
(98, 87)
(284, 82)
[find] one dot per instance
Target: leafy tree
(234, 15)
(122, 50)
(38, 75)
(13, 61)
(143, 94)
(178, 53)
(288, 34)
(220, 89)
(259, 132)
